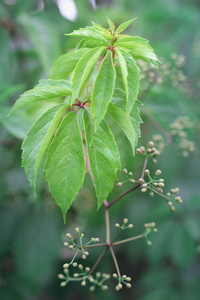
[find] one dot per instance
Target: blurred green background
(31, 230)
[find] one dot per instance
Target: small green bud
(68, 235)
(128, 279)
(130, 174)
(125, 171)
(71, 246)
(161, 184)
(128, 285)
(147, 172)
(80, 267)
(172, 208)
(61, 276)
(132, 180)
(66, 244)
(84, 256)
(125, 221)
(65, 266)
(83, 283)
(124, 276)
(75, 264)
(63, 283)
(144, 185)
(141, 180)
(98, 275)
(92, 288)
(117, 225)
(158, 172)
(75, 275)
(114, 275)
(149, 243)
(104, 287)
(87, 269)
(151, 194)
(86, 253)
(142, 148)
(77, 230)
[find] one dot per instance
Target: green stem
(128, 240)
(115, 262)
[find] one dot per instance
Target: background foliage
(32, 231)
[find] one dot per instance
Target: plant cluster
(74, 136)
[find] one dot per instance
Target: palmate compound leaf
(103, 157)
(65, 163)
(45, 90)
(38, 139)
(84, 68)
(103, 89)
(66, 63)
(130, 76)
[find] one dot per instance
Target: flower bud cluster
(98, 280)
(172, 198)
(128, 178)
(123, 279)
(125, 225)
(149, 151)
(180, 136)
(149, 228)
(153, 184)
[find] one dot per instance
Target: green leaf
(52, 90)
(51, 82)
(124, 25)
(83, 69)
(89, 33)
(140, 51)
(103, 89)
(103, 157)
(38, 139)
(65, 163)
(65, 64)
(88, 43)
(119, 100)
(133, 39)
(111, 24)
(131, 77)
(120, 117)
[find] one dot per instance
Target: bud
(125, 221)
(147, 172)
(68, 235)
(144, 185)
(151, 144)
(83, 283)
(128, 285)
(143, 190)
(158, 172)
(149, 243)
(172, 208)
(75, 275)
(104, 287)
(130, 174)
(141, 180)
(151, 194)
(65, 266)
(98, 275)
(66, 244)
(61, 276)
(77, 230)
(138, 151)
(132, 180)
(75, 264)
(119, 184)
(125, 171)
(130, 226)
(114, 275)
(117, 225)
(84, 256)
(80, 267)
(87, 269)
(63, 283)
